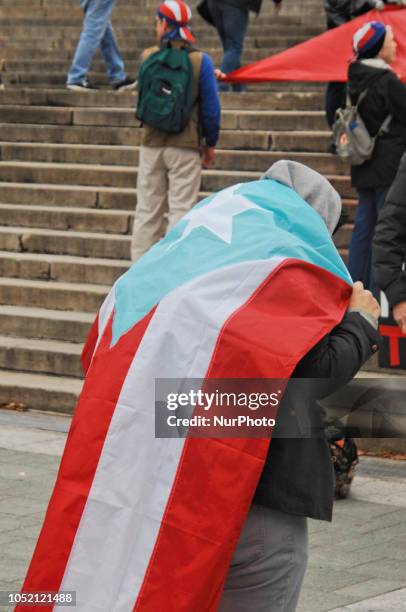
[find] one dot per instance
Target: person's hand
(208, 155)
(362, 299)
(219, 74)
(399, 314)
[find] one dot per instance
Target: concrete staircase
(68, 167)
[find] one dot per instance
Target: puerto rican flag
(242, 287)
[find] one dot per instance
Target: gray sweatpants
(269, 563)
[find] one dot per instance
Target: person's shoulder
(149, 51)
(207, 61)
(393, 78)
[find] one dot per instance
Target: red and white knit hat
(178, 14)
(369, 39)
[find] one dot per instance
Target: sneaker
(81, 86)
(124, 85)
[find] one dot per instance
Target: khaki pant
(168, 182)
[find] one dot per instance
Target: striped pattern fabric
(177, 13)
(242, 287)
(368, 36)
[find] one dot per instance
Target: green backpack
(165, 90)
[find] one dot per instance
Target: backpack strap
(385, 125)
(361, 97)
(348, 101)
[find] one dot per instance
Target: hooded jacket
(386, 95)
(298, 476)
(389, 245)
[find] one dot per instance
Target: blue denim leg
(95, 26)
(112, 57)
(359, 263)
(231, 23)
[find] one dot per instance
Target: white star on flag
(217, 216)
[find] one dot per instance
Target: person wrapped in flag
(248, 285)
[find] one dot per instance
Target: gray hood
(311, 186)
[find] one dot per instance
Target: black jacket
(249, 5)
(389, 245)
(386, 95)
(341, 11)
(298, 474)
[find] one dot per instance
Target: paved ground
(357, 564)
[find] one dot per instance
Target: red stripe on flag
(88, 431)
(289, 313)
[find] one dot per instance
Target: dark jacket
(389, 245)
(249, 5)
(341, 11)
(386, 95)
(298, 474)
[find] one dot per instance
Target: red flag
(325, 57)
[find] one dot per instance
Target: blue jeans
(97, 32)
(231, 23)
(359, 264)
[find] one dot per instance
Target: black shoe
(81, 86)
(126, 84)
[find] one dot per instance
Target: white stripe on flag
(135, 474)
(106, 309)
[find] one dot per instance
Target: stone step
(69, 153)
(63, 4)
(125, 136)
(77, 174)
(317, 140)
(54, 295)
(132, 59)
(67, 195)
(31, 132)
(128, 156)
(73, 174)
(343, 236)
(39, 392)
(279, 100)
(123, 117)
(45, 324)
(128, 31)
(38, 114)
(62, 268)
(40, 356)
(259, 161)
(93, 174)
(123, 13)
(123, 19)
(82, 244)
(31, 49)
(121, 176)
(64, 218)
(302, 17)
